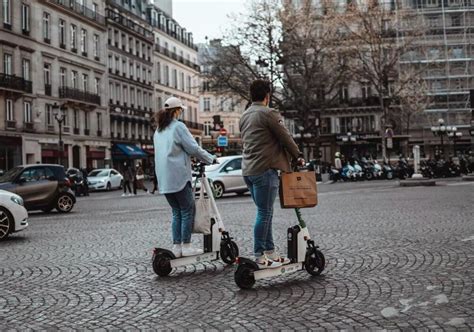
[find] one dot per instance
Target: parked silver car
(226, 176)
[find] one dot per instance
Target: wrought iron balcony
(193, 125)
(15, 83)
(76, 94)
(80, 9)
(129, 24)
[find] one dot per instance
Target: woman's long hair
(164, 117)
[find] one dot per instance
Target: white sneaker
(265, 263)
(176, 250)
(124, 195)
(187, 250)
(276, 257)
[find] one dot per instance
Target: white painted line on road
(466, 183)
(471, 238)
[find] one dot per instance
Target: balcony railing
(174, 56)
(76, 94)
(47, 89)
(15, 83)
(76, 7)
(193, 125)
(129, 24)
(28, 127)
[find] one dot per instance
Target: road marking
(471, 238)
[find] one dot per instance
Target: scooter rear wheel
(161, 264)
(314, 262)
(229, 252)
(244, 276)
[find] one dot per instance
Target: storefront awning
(128, 151)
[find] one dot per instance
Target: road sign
(223, 132)
(222, 141)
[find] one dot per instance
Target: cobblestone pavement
(397, 258)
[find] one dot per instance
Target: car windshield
(11, 174)
(211, 168)
(99, 173)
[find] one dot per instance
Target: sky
(205, 17)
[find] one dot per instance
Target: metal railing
(76, 94)
(15, 83)
(174, 56)
(129, 24)
(80, 9)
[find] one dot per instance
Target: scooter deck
(188, 260)
(276, 271)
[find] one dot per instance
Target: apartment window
(207, 128)
(130, 67)
(158, 73)
(83, 41)
(132, 96)
(167, 76)
(49, 114)
(181, 82)
(125, 94)
(46, 27)
(62, 33)
(111, 91)
(207, 104)
(117, 63)
(87, 120)
(456, 20)
(85, 83)
(139, 98)
(138, 71)
(9, 109)
(130, 45)
(432, 3)
(366, 90)
(76, 119)
(144, 73)
(117, 93)
(111, 65)
(7, 19)
(47, 74)
(95, 9)
(27, 112)
(7, 64)
(25, 69)
(25, 18)
(137, 48)
(96, 46)
(99, 121)
(188, 85)
(73, 38)
(97, 85)
(63, 77)
(74, 79)
(174, 78)
(124, 66)
(344, 93)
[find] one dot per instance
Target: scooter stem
(300, 218)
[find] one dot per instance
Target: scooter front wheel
(161, 264)
(229, 252)
(314, 262)
(244, 277)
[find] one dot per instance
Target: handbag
(140, 177)
(298, 190)
(203, 212)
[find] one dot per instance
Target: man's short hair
(259, 89)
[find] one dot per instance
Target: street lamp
(441, 131)
(454, 135)
(60, 117)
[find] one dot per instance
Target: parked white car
(104, 179)
(226, 176)
(13, 215)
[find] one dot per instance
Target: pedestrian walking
(267, 147)
(139, 179)
(128, 177)
(154, 179)
(173, 170)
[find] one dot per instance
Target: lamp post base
(469, 177)
(417, 180)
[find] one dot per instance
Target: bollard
(416, 155)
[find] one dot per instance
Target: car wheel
(6, 223)
(65, 203)
(218, 189)
(109, 186)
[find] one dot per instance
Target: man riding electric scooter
(267, 146)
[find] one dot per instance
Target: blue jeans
(263, 188)
(183, 208)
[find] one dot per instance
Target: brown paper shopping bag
(298, 190)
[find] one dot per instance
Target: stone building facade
(176, 69)
(53, 59)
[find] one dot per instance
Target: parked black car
(42, 187)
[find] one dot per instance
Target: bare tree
(377, 36)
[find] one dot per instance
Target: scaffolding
(449, 58)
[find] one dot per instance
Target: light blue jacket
(174, 147)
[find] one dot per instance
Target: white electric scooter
(217, 244)
(302, 252)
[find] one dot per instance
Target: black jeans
(126, 185)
